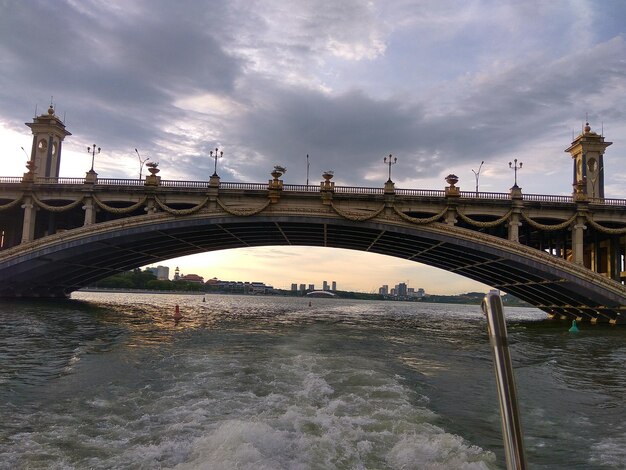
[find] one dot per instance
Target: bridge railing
(119, 182)
(314, 188)
(183, 184)
(421, 192)
(484, 195)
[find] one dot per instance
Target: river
(111, 381)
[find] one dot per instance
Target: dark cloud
(177, 79)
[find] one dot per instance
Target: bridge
(562, 254)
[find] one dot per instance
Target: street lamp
(477, 175)
(390, 160)
(515, 167)
(307, 169)
(217, 155)
(93, 152)
(141, 162)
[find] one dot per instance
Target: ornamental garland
(50, 208)
(426, 220)
(477, 223)
(539, 226)
(243, 213)
(356, 218)
(119, 210)
(612, 231)
(11, 204)
(189, 211)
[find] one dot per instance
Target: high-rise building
(311, 287)
(294, 286)
(383, 290)
(401, 290)
(334, 288)
(325, 285)
(302, 287)
(163, 273)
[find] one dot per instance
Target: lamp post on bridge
(92, 151)
(307, 169)
(515, 167)
(390, 160)
(477, 175)
(141, 162)
(216, 155)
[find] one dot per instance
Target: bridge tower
(587, 150)
(48, 134)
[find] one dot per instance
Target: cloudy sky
(442, 85)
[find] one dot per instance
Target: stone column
(28, 226)
(90, 211)
(578, 248)
(514, 225)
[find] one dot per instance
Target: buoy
(177, 315)
(574, 328)
(204, 299)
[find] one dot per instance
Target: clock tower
(587, 151)
(48, 134)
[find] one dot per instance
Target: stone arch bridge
(562, 254)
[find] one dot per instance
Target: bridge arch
(59, 264)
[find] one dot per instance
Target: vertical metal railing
(505, 380)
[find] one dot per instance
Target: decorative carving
(426, 220)
(50, 208)
(243, 212)
(356, 216)
(191, 210)
(539, 226)
(597, 226)
(477, 223)
(119, 210)
(11, 204)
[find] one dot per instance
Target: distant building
(294, 286)
(302, 287)
(192, 278)
(334, 288)
(383, 290)
(162, 273)
(401, 290)
(177, 274)
(311, 287)
(325, 285)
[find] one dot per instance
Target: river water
(110, 381)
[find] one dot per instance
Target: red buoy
(177, 315)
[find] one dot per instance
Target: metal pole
(505, 380)
(307, 169)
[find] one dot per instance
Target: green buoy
(574, 328)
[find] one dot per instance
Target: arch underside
(66, 265)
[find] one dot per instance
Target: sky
(441, 85)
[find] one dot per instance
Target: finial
(587, 127)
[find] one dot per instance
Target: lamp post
(141, 162)
(390, 160)
(477, 175)
(92, 151)
(515, 167)
(217, 155)
(307, 169)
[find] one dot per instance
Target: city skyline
(315, 86)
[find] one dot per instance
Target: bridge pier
(28, 225)
(90, 211)
(578, 247)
